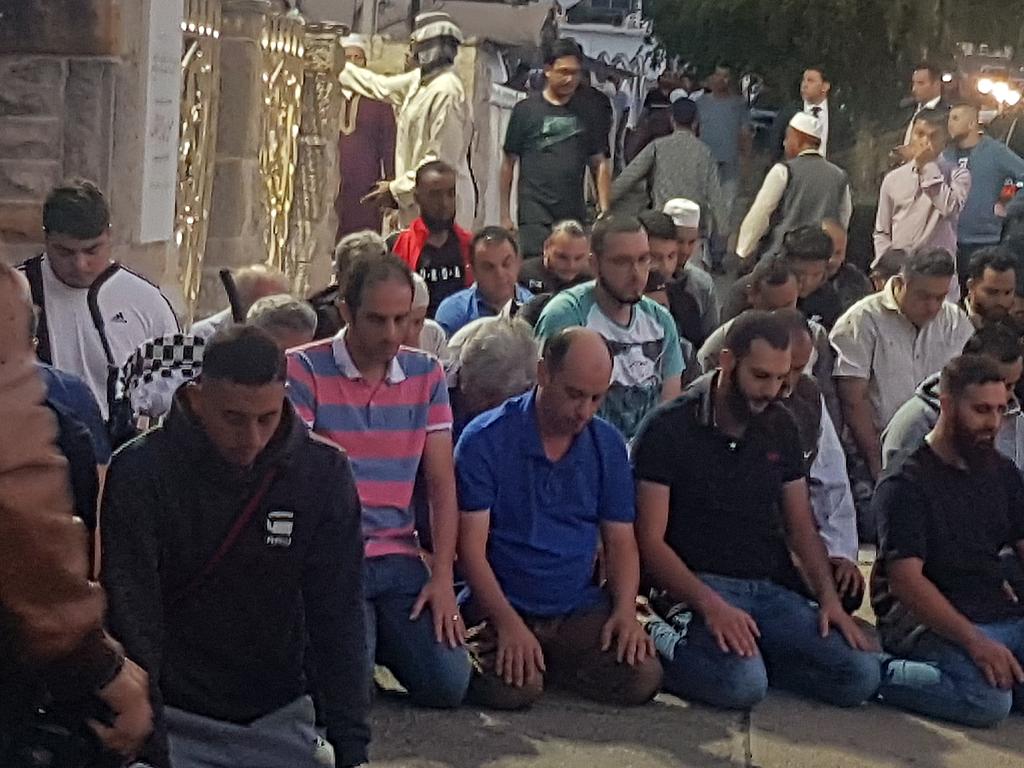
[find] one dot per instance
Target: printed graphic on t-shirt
(637, 353)
(557, 128)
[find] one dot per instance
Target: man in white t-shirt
(94, 313)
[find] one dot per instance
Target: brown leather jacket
(51, 613)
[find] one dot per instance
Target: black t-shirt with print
(553, 145)
(724, 493)
(442, 270)
(956, 521)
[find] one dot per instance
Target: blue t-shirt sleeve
(475, 477)
(618, 498)
(448, 315)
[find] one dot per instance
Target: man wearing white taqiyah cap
(434, 117)
(692, 278)
(801, 191)
(366, 149)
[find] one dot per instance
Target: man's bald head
(574, 374)
(575, 346)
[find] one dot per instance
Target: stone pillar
(237, 216)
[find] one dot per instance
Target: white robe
(433, 122)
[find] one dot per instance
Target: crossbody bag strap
(229, 542)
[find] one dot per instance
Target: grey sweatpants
(286, 738)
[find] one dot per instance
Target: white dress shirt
(920, 108)
(823, 117)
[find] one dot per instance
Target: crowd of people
(546, 454)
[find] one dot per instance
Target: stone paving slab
(559, 731)
(783, 732)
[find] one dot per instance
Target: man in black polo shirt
(721, 500)
(563, 263)
(941, 594)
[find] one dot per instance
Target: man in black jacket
(815, 89)
(230, 535)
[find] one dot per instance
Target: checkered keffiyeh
(156, 369)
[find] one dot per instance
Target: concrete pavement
(783, 732)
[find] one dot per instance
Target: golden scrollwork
(283, 51)
(317, 129)
(200, 85)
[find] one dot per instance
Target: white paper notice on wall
(163, 98)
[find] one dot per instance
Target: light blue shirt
(465, 306)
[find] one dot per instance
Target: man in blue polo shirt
(540, 481)
(496, 261)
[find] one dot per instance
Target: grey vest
(813, 193)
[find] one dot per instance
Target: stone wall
(237, 216)
(56, 120)
(72, 103)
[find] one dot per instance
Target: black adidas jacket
(233, 648)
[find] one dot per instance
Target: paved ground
(783, 732)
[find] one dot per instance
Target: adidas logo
(119, 318)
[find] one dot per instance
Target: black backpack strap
(34, 273)
(97, 320)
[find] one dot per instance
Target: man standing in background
(992, 165)
(725, 128)
(434, 116)
(366, 149)
(553, 147)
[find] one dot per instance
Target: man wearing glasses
(641, 334)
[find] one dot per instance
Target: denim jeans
(793, 655)
(434, 674)
(940, 680)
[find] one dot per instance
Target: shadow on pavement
(558, 731)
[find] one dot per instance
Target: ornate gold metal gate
(283, 51)
(200, 95)
(317, 132)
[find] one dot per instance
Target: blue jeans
(793, 653)
(940, 680)
(434, 674)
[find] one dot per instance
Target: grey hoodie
(907, 428)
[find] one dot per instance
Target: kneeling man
(721, 501)
(541, 480)
(943, 601)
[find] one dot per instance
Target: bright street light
(985, 86)
(1012, 97)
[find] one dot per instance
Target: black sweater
(233, 648)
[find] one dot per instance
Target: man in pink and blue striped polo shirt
(387, 406)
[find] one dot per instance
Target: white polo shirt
(132, 310)
(874, 341)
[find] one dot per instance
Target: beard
(619, 297)
(978, 450)
(437, 226)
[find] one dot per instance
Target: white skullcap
(420, 296)
(677, 94)
(684, 213)
(362, 42)
(807, 124)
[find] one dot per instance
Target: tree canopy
(868, 47)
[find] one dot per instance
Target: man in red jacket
(434, 245)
